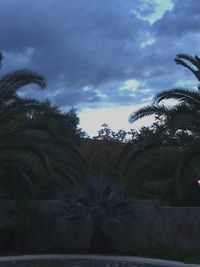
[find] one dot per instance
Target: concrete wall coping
(125, 259)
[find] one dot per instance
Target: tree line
(43, 150)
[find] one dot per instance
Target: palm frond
(148, 111)
(181, 94)
(1, 59)
(101, 200)
(11, 82)
(195, 61)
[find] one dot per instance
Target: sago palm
(101, 201)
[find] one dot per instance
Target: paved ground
(139, 260)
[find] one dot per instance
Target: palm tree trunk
(99, 241)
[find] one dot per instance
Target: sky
(106, 58)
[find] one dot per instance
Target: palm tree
(102, 202)
(144, 158)
(12, 109)
(44, 158)
(184, 116)
(37, 146)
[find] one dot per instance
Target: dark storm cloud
(87, 49)
(184, 19)
(177, 32)
(74, 43)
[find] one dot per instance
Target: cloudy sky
(106, 58)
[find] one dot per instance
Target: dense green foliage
(37, 142)
(175, 150)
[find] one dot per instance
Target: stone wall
(163, 227)
(155, 226)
